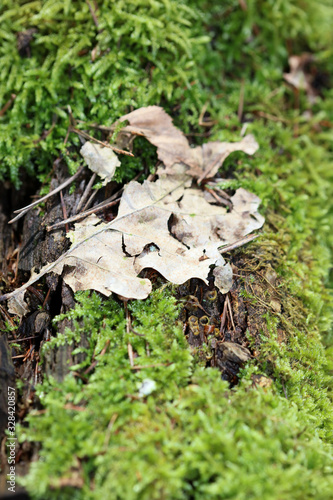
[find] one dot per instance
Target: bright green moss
(128, 60)
(192, 437)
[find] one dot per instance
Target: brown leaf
(161, 225)
(172, 146)
(300, 75)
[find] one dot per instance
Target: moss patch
(192, 437)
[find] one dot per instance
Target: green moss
(127, 61)
(192, 437)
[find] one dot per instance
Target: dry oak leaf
(204, 161)
(161, 225)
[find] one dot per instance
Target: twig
(230, 312)
(224, 315)
(218, 198)
(239, 243)
(103, 351)
(241, 101)
(24, 210)
(90, 199)
(64, 210)
(268, 116)
(93, 15)
(82, 215)
(6, 316)
(24, 339)
(106, 145)
(85, 193)
(129, 328)
(130, 354)
(8, 104)
(142, 367)
(109, 428)
(202, 122)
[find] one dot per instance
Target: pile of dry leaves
(170, 224)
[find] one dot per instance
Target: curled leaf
(102, 161)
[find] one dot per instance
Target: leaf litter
(168, 224)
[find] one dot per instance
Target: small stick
(106, 145)
(6, 316)
(46, 298)
(93, 15)
(24, 210)
(109, 428)
(129, 328)
(268, 116)
(224, 315)
(202, 122)
(64, 210)
(218, 198)
(142, 367)
(223, 193)
(8, 104)
(23, 340)
(230, 312)
(86, 193)
(241, 101)
(239, 243)
(103, 351)
(130, 354)
(82, 215)
(90, 200)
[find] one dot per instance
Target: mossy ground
(192, 437)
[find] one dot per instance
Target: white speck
(147, 387)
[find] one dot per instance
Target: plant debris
(301, 76)
(172, 146)
(102, 161)
(167, 225)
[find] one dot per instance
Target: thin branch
(93, 15)
(90, 199)
(24, 210)
(86, 193)
(106, 145)
(8, 104)
(82, 215)
(230, 312)
(239, 243)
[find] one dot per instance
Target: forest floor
(127, 399)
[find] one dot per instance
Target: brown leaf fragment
(172, 146)
(210, 156)
(156, 125)
(301, 77)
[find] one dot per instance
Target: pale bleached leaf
(17, 305)
(102, 161)
(161, 225)
(168, 225)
